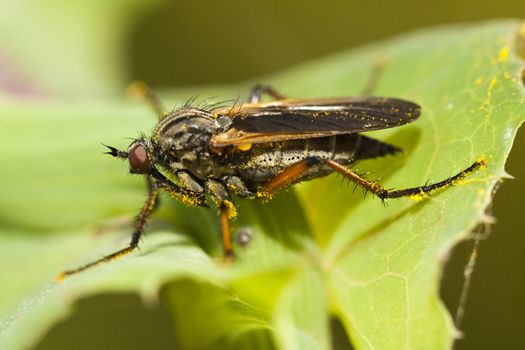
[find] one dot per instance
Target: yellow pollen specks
(186, 198)
(215, 115)
(491, 86)
(232, 212)
(151, 202)
(485, 105)
(266, 196)
(122, 253)
(461, 181)
(190, 200)
(482, 161)
(479, 81)
(417, 197)
(60, 277)
(503, 54)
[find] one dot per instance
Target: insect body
(254, 150)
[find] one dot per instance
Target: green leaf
(82, 42)
(316, 251)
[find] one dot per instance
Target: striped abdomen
(264, 161)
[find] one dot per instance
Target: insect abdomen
(372, 148)
(264, 161)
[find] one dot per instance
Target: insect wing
(298, 119)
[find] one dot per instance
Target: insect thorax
(184, 136)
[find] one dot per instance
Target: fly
(256, 149)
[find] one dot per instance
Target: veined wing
(306, 118)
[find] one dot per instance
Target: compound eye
(139, 159)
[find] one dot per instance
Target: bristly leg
(151, 187)
(142, 90)
(188, 197)
(295, 171)
(259, 90)
(137, 232)
(416, 193)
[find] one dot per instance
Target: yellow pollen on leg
(264, 195)
(121, 254)
(482, 161)
(232, 212)
(418, 197)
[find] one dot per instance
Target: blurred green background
(189, 43)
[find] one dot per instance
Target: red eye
(138, 159)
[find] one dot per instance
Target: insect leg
(187, 196)
(236, 185)
(227, 212)
(135, 237)
(150, 183)
(259, 90)
(142, 90)
(416, 193)
(188, 181)
(286, 177)
(373, 77)
(295, 171)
